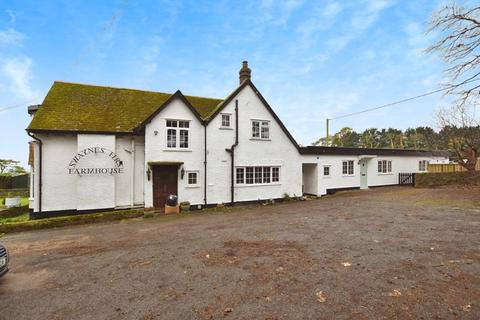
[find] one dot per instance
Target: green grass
(21, 218)
(21, 223)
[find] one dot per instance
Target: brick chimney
(245, 73)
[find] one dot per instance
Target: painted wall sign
(74, 166)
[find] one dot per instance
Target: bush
(444, 179)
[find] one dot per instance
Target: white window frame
(349, 173)
(197, 183)
(263, 127)
(423, 165)
(178, 132)
(222, 123)
(329, 171)
(257, 175)
(384, 166)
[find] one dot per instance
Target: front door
(363, 174)
(164, 184)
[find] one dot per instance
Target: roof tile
(90, 108)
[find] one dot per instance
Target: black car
(3, 260)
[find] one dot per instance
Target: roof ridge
(131, 89)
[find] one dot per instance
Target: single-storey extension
(97, 148)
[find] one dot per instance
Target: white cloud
(18, 72)
(278, 12)
(332, 10)
(13, 16)
(11, 37)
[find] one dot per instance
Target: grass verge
(24, 225)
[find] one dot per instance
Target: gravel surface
(393, 253)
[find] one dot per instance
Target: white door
(363, 174)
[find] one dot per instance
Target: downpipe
(232, 156)
(40, 144)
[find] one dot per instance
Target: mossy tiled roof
(89, 108)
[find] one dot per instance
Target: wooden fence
(451, 167)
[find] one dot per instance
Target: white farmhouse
(98, 148)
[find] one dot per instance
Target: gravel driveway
(399, 253)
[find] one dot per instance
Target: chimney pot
(245, 72)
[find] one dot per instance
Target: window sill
(348, 175)
(260, 139)
(257, 185)
(225, 128)
(177, 150)
(192, 187)
(385, 174)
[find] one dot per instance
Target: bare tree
(462, 128)
(459, 47)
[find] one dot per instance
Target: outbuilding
(101, 148)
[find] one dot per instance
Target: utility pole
(328, 132)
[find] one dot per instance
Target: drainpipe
(132, 175)
(39, 174)
(205, 163)
(232, 156)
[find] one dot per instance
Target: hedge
(10, 193)
(450, 178)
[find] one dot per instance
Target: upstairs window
(177, 134)
(260, 129)
(347, 167)
(384, 166)
(226, 120)
(422, 165)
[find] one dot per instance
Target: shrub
(450, 178)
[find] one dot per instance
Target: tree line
(420, 138)
(459, 141)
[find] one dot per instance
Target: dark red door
(164, 184)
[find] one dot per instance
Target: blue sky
(310, 59)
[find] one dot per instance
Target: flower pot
(185, 206)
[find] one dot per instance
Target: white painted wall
(64, 191)
(192, 158)
(59, 188)
(336, 180)
(278, 151)
(139, 173)
(96, 191)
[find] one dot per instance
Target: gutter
(40, 143)
(232, 155)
